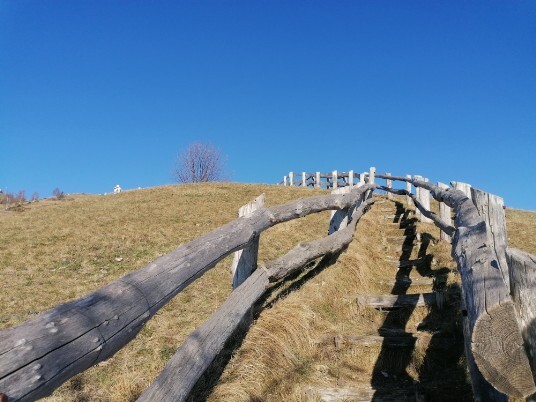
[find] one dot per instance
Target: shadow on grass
(204, 386)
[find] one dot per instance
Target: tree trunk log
(490, 208)
(496, 342)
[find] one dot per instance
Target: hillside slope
(59, 250)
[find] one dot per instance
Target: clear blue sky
(99, 93)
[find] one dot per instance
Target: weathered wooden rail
(498, 283)
(496, 340)
(40, 354)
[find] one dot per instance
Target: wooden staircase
(416, 287)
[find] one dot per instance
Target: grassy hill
(54, 251)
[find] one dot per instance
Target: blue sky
(98, 93)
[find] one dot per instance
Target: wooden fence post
(291, 178)
(409, 201)
(351, 178)
(491, 208)
(418, 196)
(339, 218)
(522, 268)
(245, 260)
(317, 180)
(425, 201)
(362, 178)
(335, 178)
(463, 187)
(372, 172)
(304, 184)
(445, 212)
(389, 184)
(285, 180)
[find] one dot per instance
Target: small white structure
(117, 189)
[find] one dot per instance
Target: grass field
(55, 251)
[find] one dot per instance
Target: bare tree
(58, 194)
(20, 197)
(199, 163)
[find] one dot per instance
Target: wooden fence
(498, 282)
(498, 288)
(331, 180)
(40, 354)
(498, 285)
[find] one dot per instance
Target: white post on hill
(445, 213)
(334, 179)
(389, 184)
(409, 201)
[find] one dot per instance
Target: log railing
(498, 283)
(496, 339)
(40, 354)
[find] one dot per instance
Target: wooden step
(407, 263)
(423, 390)
(393, 217)
(402, 239)
(407, 231)
(397, 301)
(410, 282)
(403, 247)
(406, 340)
(363, 393)
(399, 225)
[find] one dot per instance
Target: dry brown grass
(286, 349)
(521, 229)
(58, 250)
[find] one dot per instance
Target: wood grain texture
(40, 354)
(523, 290)
(491, 209)
(496, 341)
(405, 300)
(245, 260)
(339, 218)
